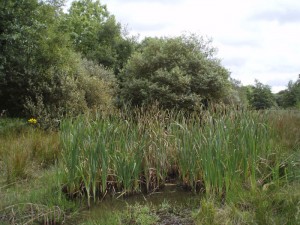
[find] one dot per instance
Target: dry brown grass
(287, 126)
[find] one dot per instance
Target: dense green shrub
(177, 72)
(260, 96)
(290, 98)
(87, 86)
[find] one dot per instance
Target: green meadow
(239, 166)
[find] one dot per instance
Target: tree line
(259, 96)
(55, 63)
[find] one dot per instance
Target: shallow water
(174, 195)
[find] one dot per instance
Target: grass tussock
(24, 149)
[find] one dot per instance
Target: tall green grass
(225, 151)
(36, 201)
(30, 190)
(25, 149)
(219, 148)
(100, 154)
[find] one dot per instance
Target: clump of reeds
(225, 150)
(214, 149)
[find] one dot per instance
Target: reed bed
(213, 150)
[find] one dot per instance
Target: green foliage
(177, 72)
(87, 86)
(140, 215)
(111, 218)
(260, 96)
(32, 52)
(10, 126)
(98, 84)
(17, 44)
(273, 206)
(92, 140)
(237, 94)
(273, 199)
(221, 151)
(40, 75)
(290, 98)
(96, 34)
(30, 188)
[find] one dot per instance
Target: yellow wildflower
(32, 121)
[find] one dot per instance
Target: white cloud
(256, 39)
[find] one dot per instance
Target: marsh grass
(286, 125)
(35, 201)
(140, 215)
(216, 150)
(28, 213)
(277, 205)
(276, 199)
(30, 191)
(247, 163)
(25, 149)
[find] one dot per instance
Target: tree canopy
(96, 34)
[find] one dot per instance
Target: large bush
(87, 86)
(178, 72)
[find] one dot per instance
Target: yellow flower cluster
(32, 121)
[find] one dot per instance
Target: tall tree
(18, 43)
(34, 53)
(261, 96)
(96, 34)
(291, 96)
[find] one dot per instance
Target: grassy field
(244, 165)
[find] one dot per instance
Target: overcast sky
(256, 39)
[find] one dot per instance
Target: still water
(172, 194)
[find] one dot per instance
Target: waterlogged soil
(172, 205)
(175, 218)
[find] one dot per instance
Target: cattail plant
(220, 148)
